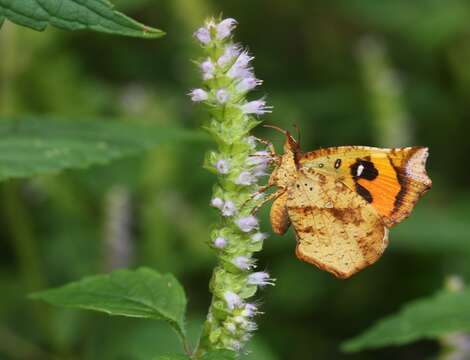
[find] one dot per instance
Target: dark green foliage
(34, 146)
(431, 318)
(97, 15)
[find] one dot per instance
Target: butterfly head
(287, 162)
(290, 145)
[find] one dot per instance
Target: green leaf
(142, 293)
(97, 15)
(30, 147)
(428, 318)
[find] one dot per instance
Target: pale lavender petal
(245, 178)
(222, 96)
(229, 208)
(217, 202)
(257, 107)
(225, 27)
(260, 278)
(220, 242)
(248, 83)
(231, 51)
(203, 35)
(247, 223)
(222, 166)
(233, 300)
(198, 95)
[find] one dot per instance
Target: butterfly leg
(270, 197)
(260, 191)
(271, 149)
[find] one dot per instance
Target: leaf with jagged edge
(142, 293)
(36, 146)
(96, 15)
(428, 318)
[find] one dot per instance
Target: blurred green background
(358, 72)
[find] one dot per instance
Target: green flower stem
(238, 164)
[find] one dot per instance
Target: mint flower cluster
(239, 162)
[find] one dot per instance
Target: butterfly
(341, 201)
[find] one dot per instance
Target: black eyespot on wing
(337, 163)
(366, 195)
(364, 169)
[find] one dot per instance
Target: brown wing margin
(410, 166)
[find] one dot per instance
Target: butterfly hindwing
(336, 229)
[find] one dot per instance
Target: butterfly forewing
(391, 180)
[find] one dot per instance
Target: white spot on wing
(360, 169)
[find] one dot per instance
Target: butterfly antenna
(285, 132)
(277, 129)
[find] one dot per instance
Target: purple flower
(260, 160)
(243, 263)
(247, 223)
(222, 166)
(241, 69)
(257, 107)
(260, 157)
(207, 68)
(233, 300)
(229, 208)
(203, 35)
(220, 242)
(245, 178)
(260, 278)
(198, 95)
(248, 83)
(250, 310)
(230, 52)
(222, 96)
(225, 27)
(217, 202)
